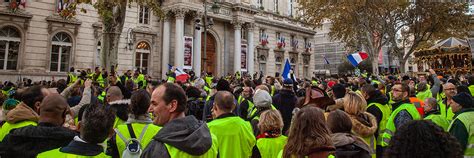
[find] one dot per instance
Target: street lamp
(207, 24)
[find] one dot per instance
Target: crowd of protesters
(101, 114)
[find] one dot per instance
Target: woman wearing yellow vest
(95, 128)
(308, 135)
(462, 126)
(346, 143)
(364, 123)
(270, 141)
(139, 122)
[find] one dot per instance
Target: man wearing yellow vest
(71, 77)
(180, 136)
(98, 77)
(449, 90)
(423, 88)
(50, 134)
(433, 114)
(235, 135)
(25, 113)
(246, 102)
(403, 112)
(377, 105)
(462, 126)
(95, 127)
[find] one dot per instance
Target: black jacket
(186, 134)
(29, 141)
(285, 102)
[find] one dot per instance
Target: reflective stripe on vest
(370, 140)
(270, 147)
(235, 136)
(58, 154)
(7, 127)
(211, 153)
(390, 128)
(150, 132)
(386, 110)
(467, 119)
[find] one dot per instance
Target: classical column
(237, 45)
(197, 48)
(165, 58)
(179, 38)
(251, 48)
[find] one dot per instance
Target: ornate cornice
(180, 12)
(237, 23)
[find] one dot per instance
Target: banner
(243, 57)
(188, 52)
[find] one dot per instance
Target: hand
(432, 72)
(88, 83)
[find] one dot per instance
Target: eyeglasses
(450, 89)
(396, 90)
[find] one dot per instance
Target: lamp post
(207, 24)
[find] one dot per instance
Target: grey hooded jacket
(186, 134)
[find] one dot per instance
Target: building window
(144, 15)
(9, 48)
(263, 64)
(62, 4)
(97, 56)
(60, 52)
(276, 6)
(142, 56)
(244, 33)
(290, 10)
(260, 3)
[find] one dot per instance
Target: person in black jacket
(285, 102)
(49, 134)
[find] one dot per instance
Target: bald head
(224, 101)
(113, 94)
(449, 90)
(53, 109)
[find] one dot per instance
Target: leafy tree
(112, 14)
(371, 24)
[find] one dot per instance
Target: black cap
(463, 99)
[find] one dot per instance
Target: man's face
(450, 90)
(427, 108)
(247, 92)
(158, 107)
(422, 79)
(398, 93)
(455, 106)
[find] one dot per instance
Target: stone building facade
(37, 43)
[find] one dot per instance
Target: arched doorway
(211, 62)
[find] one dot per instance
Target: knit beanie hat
(10, 104)
(262, 99)
(463, 99)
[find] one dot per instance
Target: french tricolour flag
(357, 57)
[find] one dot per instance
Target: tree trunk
(112, 29)
(403, 61)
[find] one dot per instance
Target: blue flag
(286, 70)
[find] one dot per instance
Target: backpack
(133, 146)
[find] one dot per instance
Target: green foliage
(374, 23)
